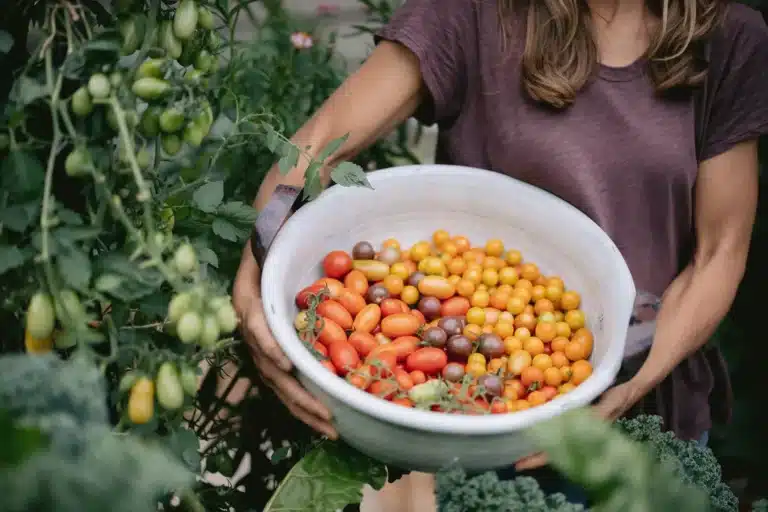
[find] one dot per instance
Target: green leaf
(6, 41)
(348, 174)
(22, 174)
(74, 267)
(10, 258)
(312, 184)
(209, 196)
(329, 477)
(226, 230)
(332, 147)
(108, 282)
(185, 444)
(136, 282)
(273, 139)
(27, 90)
(68, 235)
(290, 160)
(206, 255)
(19, 217)
(238, 213)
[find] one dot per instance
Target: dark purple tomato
(363, 251)
(376, 294)
(415, 278)
(490, 345)
(451, 325)
(459, 347)
(453, 372)
(492, 384)
(429, 307)
(435, 337)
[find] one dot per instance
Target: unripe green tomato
(129, 34)
(168, 219)
(144, 158)
(170, 394)
(69, 308)
(98, 86)
(150, 88)
(127, 382)
(193, 134)
(193, 76)
(169, 41)
(211, 332)
(171, 143)
(78, 162)
(115, 79)
(40, 319)
(205, 18)
(151, 68)
(189, 327)
(185, 259)
(81, 102)
(188, 378)
(227, 318)
(171, 120)
(180, 304)
(185, 19)
(203, 61)
(213, 41)
(150, 122)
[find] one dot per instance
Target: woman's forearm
(692, 308)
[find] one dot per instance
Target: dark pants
(552, 482)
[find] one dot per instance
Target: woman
(643, 114)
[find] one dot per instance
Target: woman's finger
(534, 461)
(303, 415)
(262, 337)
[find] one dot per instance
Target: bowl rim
(411, 418)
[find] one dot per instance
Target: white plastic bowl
(409, 203)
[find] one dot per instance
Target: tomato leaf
(332, 147)
(27, 90)
(135, 282)
(225, 230)
(209, 196)
(20, 216)
(10, 257)
(312, 184)
(289, 160)
(329, 477)
(21, 174)
(74, 267)
(348, 174)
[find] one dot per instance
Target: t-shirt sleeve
(442, 34)
(739, 104)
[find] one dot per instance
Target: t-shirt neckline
(623, 73)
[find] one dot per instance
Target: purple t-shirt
(621, 154)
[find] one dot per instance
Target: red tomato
(367, 319)
(334, 286)
(343, 356)
(404, 401)
(351, 301)
(404, 346)
(418, 314)
(392, 307)
(455, 306)
(359, 380)
(418, 377)
(302, 298)
(331, 332)
(385, 389)
(382, 364)
(404, 380)
(363, 342)
(333, 310)
(337, 264)
(329, 365)
(399, 324)
(429, 360)
(357, 282)
(549, 391)
(499, 407)
(319, 347)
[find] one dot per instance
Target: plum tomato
(382, 364)
(418, 314)
(430, 360)
(334, 286)
(392, 307)
(333, 310)
(363, 342)
(343, 356)
(418, 377)
(367, 319)
(436, 286)
(403, 379)
(302, 298)
(352, 302)
(374, 270)
(337, 264)
(455, 306)
(357, 282)
(331, 332)
(399, 324)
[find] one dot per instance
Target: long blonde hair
(560, 53)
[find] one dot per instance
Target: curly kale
(693, 463)
(456, 492)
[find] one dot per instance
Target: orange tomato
(575, 319)
(559, 343)
(436, 286)
(513, 257)
(543, 306)
(542, 361)
(559, 359)
(400, 270)
(562, 329)
(455, 306)
(367, 319)
(526, 320)
(518, 361)
(499, 300)
(584, 336)
(357, 282)
(399, 324)
(385, 389)
(462, 243)
(522, 333)
(476, 316)
(465, 287)
(504, 329)
(393, 284)
(363, 342)
(553, 377)
(575, 351)
(570, 300)
(480, 299)
(439, 237)
(352, 302)
(332, 310)
(418, 377)
(581, 371)
(533, 346)
(472, 331)
(538, 292)
(529, 271)
(532, 376)
(391, 242)
(331, 333)
(393, 306)
(536, 398)
(516, 304)
(546, 331)
(410, 295)
(512, 345)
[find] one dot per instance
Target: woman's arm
(383, 93)
(700, 297)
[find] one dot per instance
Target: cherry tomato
(356, 281)
(343, 356)
(363, 342)
(331, 333)
(170, 394)
(455, 306)
(436, 286)
(337, 264)
(404, 346)
(334, 286)
(404, 401)
(399, 324)
(429, 360)
(418, 377)
(302, 298)
(385, 389)
(367, 319)
(374, 270)
(404, 380)
(359, 379)
(333, 310)
(550, 392)
(382, 364)
(392, 307)
(352, 302)
(499, 406)
(532, 377)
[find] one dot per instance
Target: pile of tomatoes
(446, 326)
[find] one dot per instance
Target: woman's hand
(613, 404)
(272, 363)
